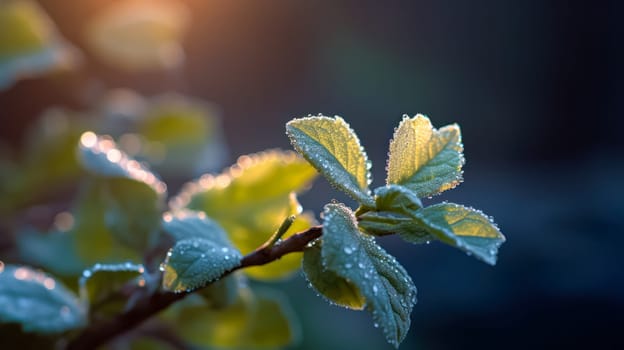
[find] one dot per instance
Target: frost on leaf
(201, 254)
(100, 283)
(334, 150)
(423, 159)
(335, 288)
(355, 257)
(100, 156)
(465, 228)
(37, 301)
(130, 197)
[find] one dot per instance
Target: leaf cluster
(251, 208)
(346, 265)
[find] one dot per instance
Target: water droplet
(348, 250)
(195, 245)
(375, 289)
(347, 265)
(227, 257)
(360, 265)
(427, 242)
(376, 325)
(202, 255)
(224, 249)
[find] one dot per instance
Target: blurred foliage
(139, 35)
(251, 199)
(81, 201)
(29, 43)
(258, 318)
(52, 308)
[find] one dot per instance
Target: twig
(102, 332)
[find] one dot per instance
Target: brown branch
(102, 332)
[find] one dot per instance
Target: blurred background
(536, 86)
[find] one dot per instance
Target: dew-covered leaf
(395, 198)
(192, 263)
(332, 286)
(423, 159)
(251, 199)
(465, 228)
(393, 214)
(381, 223)
(187, 224)
(132, 196)
(335, 151)
(255, 321)
(139, 35)
(387, 288)
(37, 301)
(101, 156)
(100, 285)
(94, 242)
(29, 43)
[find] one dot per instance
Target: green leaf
(334, 149)
(193, 263)
(251, 199)
(335, 288)
(208, 239)
(260, 321)
(132, 196)
(201, 255)
(100, 156)
(393, 214)
(132, 212)
(465, 228)
(29, 43)
(94, 241)
(37, 301)
(188, 224)
(100, 285)
(273, 323)
(395, 198)
(200, 324)
(423, 159)
(389, 291)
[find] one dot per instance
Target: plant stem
(100, 333)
